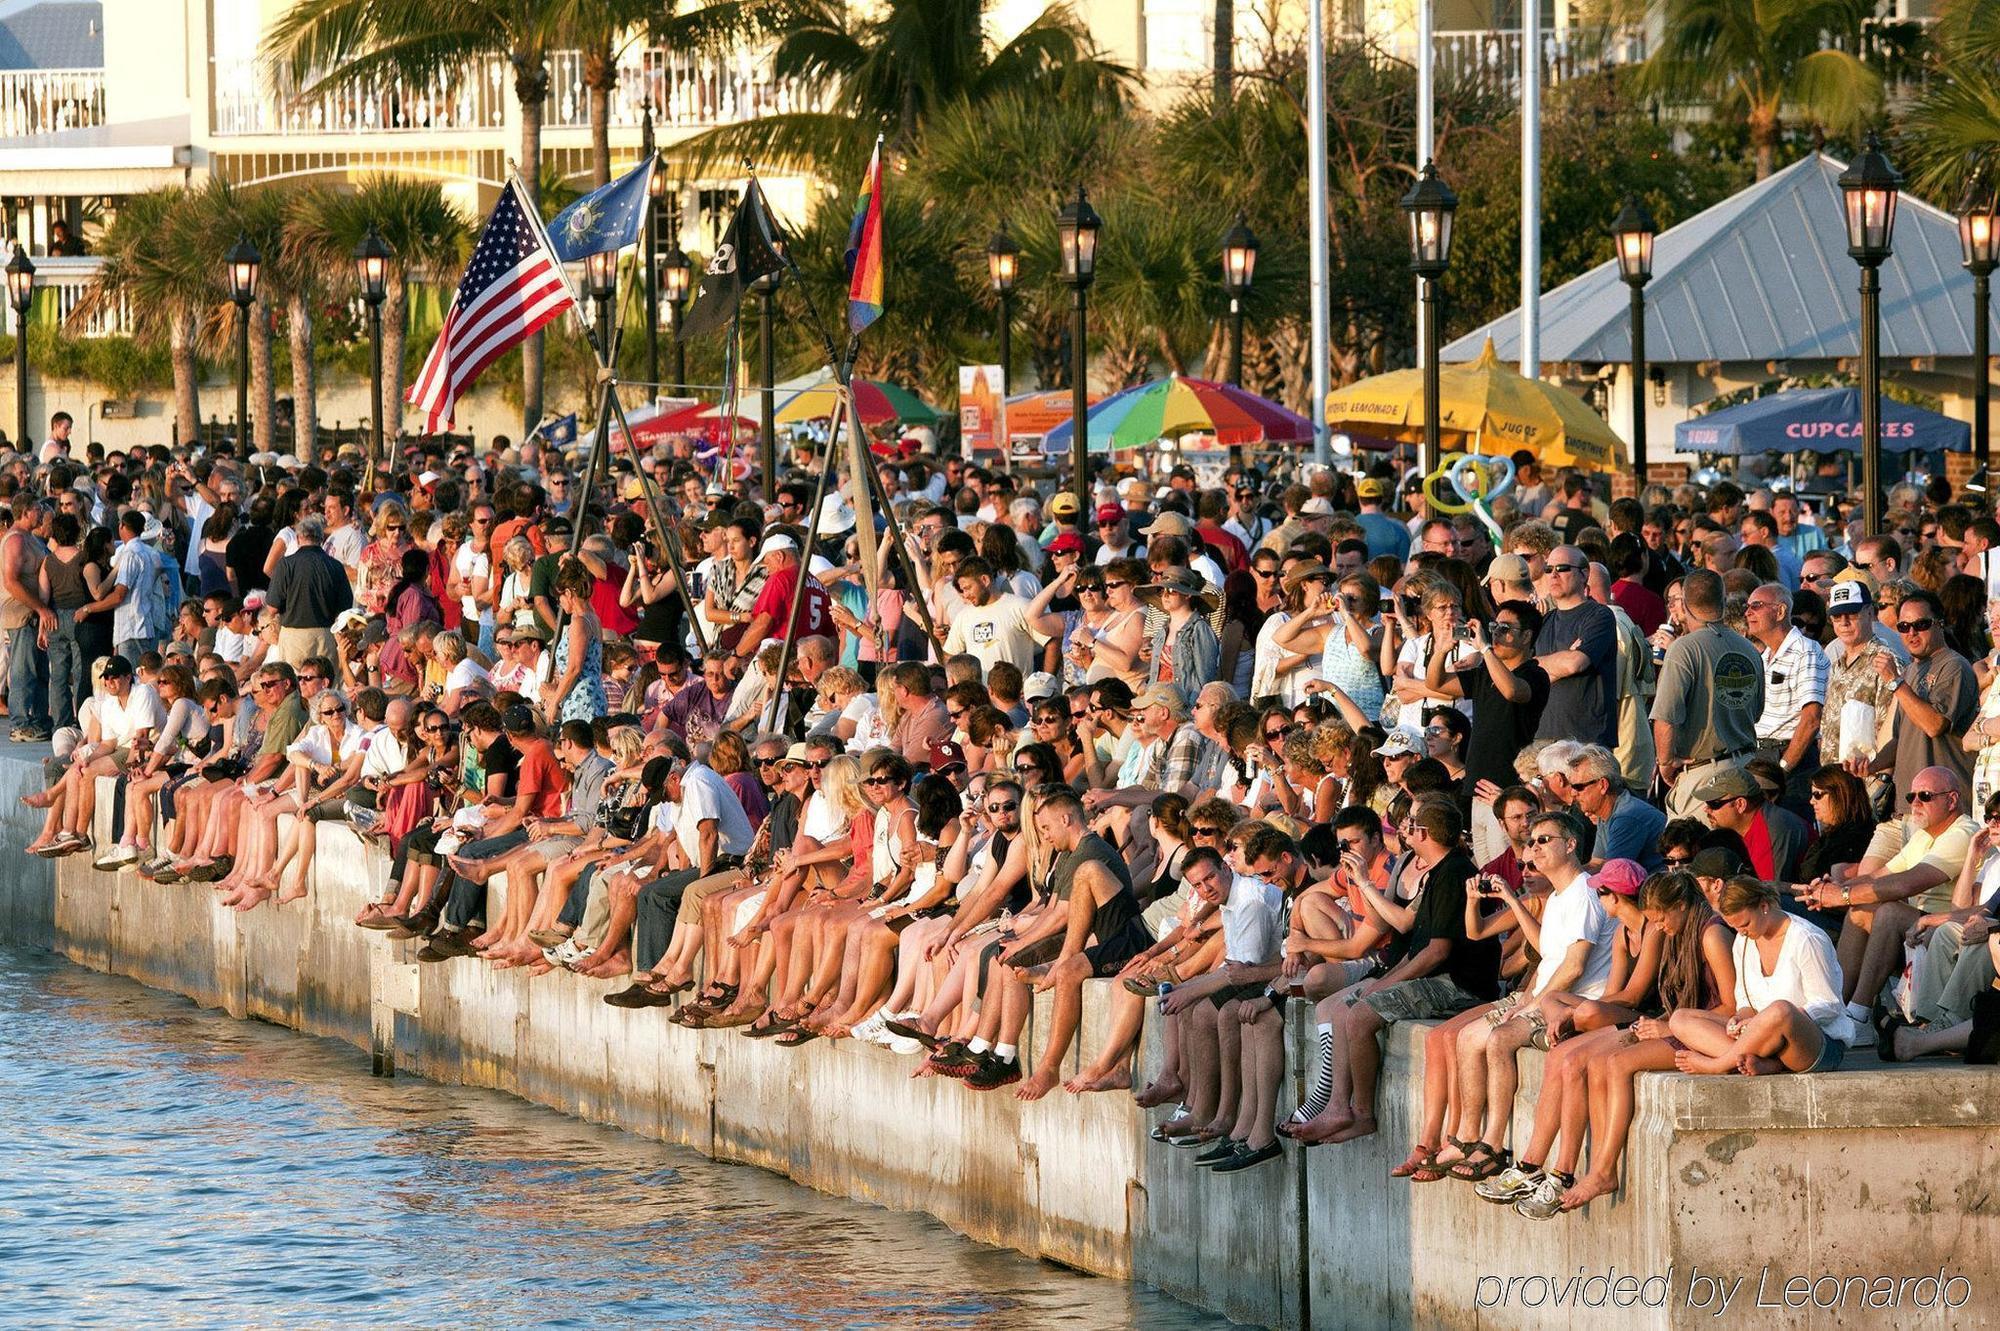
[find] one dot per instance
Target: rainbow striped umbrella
(1169, 408)
(879, 403)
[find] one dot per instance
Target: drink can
(1166, 987)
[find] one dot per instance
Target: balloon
(1479, 496)
(1430, 485)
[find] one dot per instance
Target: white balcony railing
(470, 98)
(64, 280)
(687, 91)
(38, 101)
(1490, 58)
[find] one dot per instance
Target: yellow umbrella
(1484, 405)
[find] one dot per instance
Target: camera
(1464, 633)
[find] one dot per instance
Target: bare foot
(1035, 1087)
(251, 899)
(540, 966)
(1360, 1127)
(1703, 1065)
(1322, 1128)
(1118, 1079)
(1587, 1189)
(1165, 1091)
(1754, 1065)
(41, 799)
(292, 893)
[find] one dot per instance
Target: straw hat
(1185, 581)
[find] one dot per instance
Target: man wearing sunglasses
(1936, 695)
(1578, 648)
(1733, 799)
(1508, 689)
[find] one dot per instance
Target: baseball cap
(428, 479)
(1109, 513)
(1169, 524)
(1511, 569)
(944, 756)
(1182, 472)
(1848, 595)
(1620, 876)
(773, 544)
(1728, 784)
(1319, 506)
(115, 667)
(1066, 541)
(1065, 505)
(1038, 686)
(1162, 695)
(1403, 739)
(1371, 487)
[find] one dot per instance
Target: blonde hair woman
(382, 558)
(814, 973)
(466, 678)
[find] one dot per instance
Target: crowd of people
(1700, 780)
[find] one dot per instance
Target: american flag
(513, 287)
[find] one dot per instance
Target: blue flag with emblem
(560, 432)
(604, 219)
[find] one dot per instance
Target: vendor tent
(1817, 420)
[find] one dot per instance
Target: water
(165, 1166)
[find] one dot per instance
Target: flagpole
(669, 541)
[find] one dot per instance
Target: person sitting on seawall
(1911, 869)
(1951, 965)
(1684, 961)
(1789, 1017)
(326, 791)
(128, 715)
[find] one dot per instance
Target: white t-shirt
(865, 711)
(119, 722)
(468, 673)
(823, 823)
(705, 795)
(234, 647)
(469, 564)
(346, 544)
(994, 632)
(315, 744)
(384, 756)
(1250, 921)
(1575, 915)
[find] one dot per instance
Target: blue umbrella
(1818, 420)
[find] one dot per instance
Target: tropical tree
(427, 237)
(1757, 62)
(889, 69)
(151, 269)
(1951, 132)
(319, 45)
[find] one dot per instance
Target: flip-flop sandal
(795, 1037)
(1418, 1159)
(765, 1028)
(1429, 1171)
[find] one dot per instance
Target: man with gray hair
(1795, 678)
(309, 589)
(1711, 690)
(1625, 826)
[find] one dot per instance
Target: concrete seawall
(1878, 1172)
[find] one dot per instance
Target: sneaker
(900, 1045)
(1509, 1185)
(993, 1073)
(122, 853)
(1545, 1202)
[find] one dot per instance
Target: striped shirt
(1794, 675)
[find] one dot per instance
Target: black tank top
(1114, 916)
(67, 588)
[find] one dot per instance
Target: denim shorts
(1831, 1054)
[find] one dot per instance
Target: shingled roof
(1763, 275)
(57, 35)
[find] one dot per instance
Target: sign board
(982, 410)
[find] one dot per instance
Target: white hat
(1039, 685)
(345, 618)
(773, 544)
(819, 566)
(428, 478)
(1319, 506)
(290, 463)
(834, 516)
(265, 459)
(153, 531)
(1403, 739)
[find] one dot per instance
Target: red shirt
(814, 618)
(1757, 840)
(604, 600)
(1227, 548)
(1648, 611)
(541, 778)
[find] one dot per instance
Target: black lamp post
(20, 294)
(656, 186)
(1979, 244)
(601, 276)
(1632, 231)
(1003, 266)
(242, 265)
(1870, 188)
(766, 288)
(1077, 225)
(676, 273)
(1239, 269)
(1430, 205)
(371, 265)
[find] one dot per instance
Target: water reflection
(165, 1166)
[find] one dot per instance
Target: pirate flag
(749, 251)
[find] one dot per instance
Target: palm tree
(427, 236)
(1756, 61)
(358, 44)
(1951, 132)
(890, 70)
(166, 289)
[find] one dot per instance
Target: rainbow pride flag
(864, 250)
